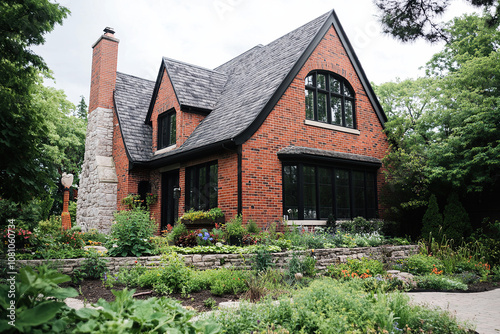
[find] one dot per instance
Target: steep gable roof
(132, 96)
(241, 93)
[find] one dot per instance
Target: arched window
(329, 99)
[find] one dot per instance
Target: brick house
(292, 128)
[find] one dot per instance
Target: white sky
(211, 32)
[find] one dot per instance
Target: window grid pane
(309, 104)
(321, 81)
(172, 136)
(342, 198)
(325, 192)
(290, 183)
(349, 114)
(309, 193)
(322, 105)
(329, 99)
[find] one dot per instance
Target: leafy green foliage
(23, 124)
(129, 315)
(439, 282)
(409, 20)
(38, 301)
(94, 266)
(443, 127)
(171, 276)
(456, 223)
(262, 260)
(359, 268)
(422, 264)
(131, 233)
(252, 227)
(330, 306)
(433, 219)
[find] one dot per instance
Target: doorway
(169, 198)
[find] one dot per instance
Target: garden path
(479, 308)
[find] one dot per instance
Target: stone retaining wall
(324, 257)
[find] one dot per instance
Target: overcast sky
(210, 32)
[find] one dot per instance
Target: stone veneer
(324, 257)
(98, 182)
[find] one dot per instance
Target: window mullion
(316, 181)
(300, 181)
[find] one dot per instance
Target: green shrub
(456, 223)
(235, 230)
(177, 231)
(422, 264)
(252, 227)
(94, 237)
(171, 277)
(129, 315)
(360, 225)
(94, 266)
(433, 219)
(440, 282)
(52, 225)
(131, 233)
(39, 302)
(262, 260)
(356, 268)
(219, 281)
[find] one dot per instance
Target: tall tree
(82, 109)
(408, 20)
(444, 128)
(23, 24)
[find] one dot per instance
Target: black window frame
(165, 137)
(201, 199)
(344, 86)
(370, 209)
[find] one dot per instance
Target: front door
(169, 198)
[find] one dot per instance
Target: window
(312, 192)
(166, 129)
(202, 186)
(329, 99)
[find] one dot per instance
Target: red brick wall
(103, 77)
(262, 187)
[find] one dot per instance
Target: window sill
(166, 149)
(331, 127)
(306, 222)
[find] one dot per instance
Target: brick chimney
(104, 64)
(98, 181)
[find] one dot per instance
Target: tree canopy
(23, 127)
(444, 128)
(408, 20)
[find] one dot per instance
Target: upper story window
(329, 99)
(166, 129)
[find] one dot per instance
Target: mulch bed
(93, 290)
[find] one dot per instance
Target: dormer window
(166, 129)
(329, 99)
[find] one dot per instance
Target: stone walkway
(481, 309)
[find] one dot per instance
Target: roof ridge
(135, 76)
(193, 65)
(325, 15)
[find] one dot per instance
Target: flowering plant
(24, 239)
(204, 238)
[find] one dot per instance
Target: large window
(329, 99)
(312, 192)
(166, 129)
(202, 186)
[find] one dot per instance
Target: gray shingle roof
(240, 93)
(132, 97)
(252, 79)
(195, 86)
(314, 152)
